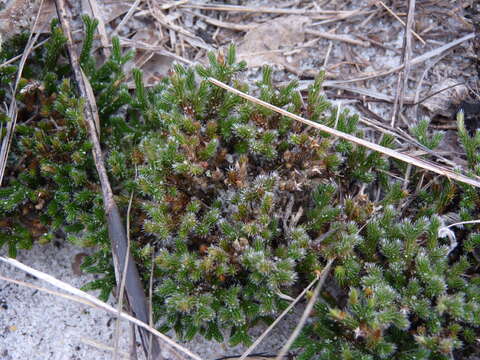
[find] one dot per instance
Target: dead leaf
(114, 9)
(444, 102)
(154, 66)
(260, 45)
(77, 262)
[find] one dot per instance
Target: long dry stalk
(474, 181)
(133, 284)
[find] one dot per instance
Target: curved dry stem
(307, 312)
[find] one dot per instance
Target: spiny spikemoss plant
(405, 296)
(236, 206)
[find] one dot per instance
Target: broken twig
(116, 230)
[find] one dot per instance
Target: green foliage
(397, 283)
(10, 48)
(470, 143)
(235, 206)
(51, 185)
(420, 131)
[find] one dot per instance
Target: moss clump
(235, 206)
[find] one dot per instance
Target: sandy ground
(35, 325)
(39, 326)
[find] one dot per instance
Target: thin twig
(121, 291)
(475, 181)
(401, 21)
(337, 37)
(306, 313)
(82, 297)
(102, 346)
(126, 17)
(277, 320)
(116, 230)
(15, 58)
(403, 76)
(266, 10)
(464, 223)
(223, 24)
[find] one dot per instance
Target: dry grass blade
(223, 24)
(102, 346)
(15, 58)
(126, 17)
(133, 342)
(403, 76)
(261, 9)
(368, 92)
(464, 223)
(93, 103)
(165, 21)
(400, 134)
(306, 313)
(154, 48)
(150, 299)
(474, 181)
(420, 82)
(82, 297)
(277, 320)
(12, 110)
(7, 138)
(156, 12)
(173, 4)
(304, 84)
(344, 38)
(341, 16)
(401, 21)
